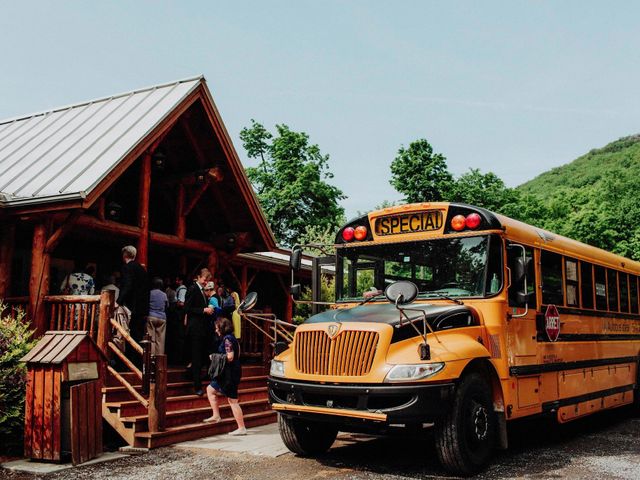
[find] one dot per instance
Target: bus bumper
(386, 404)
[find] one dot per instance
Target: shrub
(15, 341)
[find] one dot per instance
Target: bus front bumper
(386, 404)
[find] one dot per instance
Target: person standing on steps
(198, 336)
(227, 383)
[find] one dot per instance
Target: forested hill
(595, 198)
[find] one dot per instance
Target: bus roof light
(458, 223)
(473, 221)
(360, 232)
(347, 234)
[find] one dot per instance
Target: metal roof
(64, 153)
(55, 346)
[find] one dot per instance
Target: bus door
(522, 304)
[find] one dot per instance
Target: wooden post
(39, 279)
(181, 219)
(158, 395)
(212, 263)
(146, 363)
(107, 300)
(244, 286)
(143, 209)
(7, 243)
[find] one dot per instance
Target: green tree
(420, 174)
(291, 181)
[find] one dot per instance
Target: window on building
(552, 292)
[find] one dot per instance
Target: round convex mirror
(249, 302)
(402, 292)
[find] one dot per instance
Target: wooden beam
(143, 209)
(244, 286)
(196, 196)
(62, 230)
(288, 312)
(101, 207)
(39, 278)
(212, 263)
(7, 244)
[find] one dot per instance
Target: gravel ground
(605, 446)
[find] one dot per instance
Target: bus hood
(440, 317)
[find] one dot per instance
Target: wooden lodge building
(154, 168)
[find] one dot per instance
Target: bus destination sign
(409, 223)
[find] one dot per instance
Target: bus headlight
(404, 373)
(277, 368)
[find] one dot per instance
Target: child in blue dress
(227, 383)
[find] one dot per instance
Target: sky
(511, 87)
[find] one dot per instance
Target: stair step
(196, 415)
(132, 408)
(200, 430)
(175, 374)
(121, 394)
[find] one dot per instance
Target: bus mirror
(296, 290)
(248, 303)
(519, 271)
(401, 292)
(295, 260)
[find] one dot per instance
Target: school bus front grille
(350, 353)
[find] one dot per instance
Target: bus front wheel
(466, 436)
(306, 438)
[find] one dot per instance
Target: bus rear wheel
(466, 436)
(306, 438)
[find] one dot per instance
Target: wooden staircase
(184, 410)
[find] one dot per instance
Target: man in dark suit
(134, 292)
(198, 335)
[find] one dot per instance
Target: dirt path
(605, 447)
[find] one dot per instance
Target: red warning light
(347, 234)
(473, 220)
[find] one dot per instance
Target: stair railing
(272, 328)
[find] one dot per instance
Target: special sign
(409, 223)
(552, 323)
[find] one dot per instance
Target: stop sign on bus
(552, 323)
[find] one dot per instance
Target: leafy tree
(15, 342)
(291, 181)
(420, 174)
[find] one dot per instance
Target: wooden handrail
(72, 298)
(126, 336)
(128, 386)
(114, 348)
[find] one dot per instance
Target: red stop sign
(552, 323)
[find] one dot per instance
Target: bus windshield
(455, 267)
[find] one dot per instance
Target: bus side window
(612, 289)
(633, 289)
(624, 292)
(512, 254)
(552, 291)
(571, 281)
(586, 284)
(601, 288)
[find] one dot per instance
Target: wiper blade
(367, 300)
(445, 296)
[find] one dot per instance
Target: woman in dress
(227, 383)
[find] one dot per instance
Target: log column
(143, 210)
(7, 243)
(212, 263)
(39, 279)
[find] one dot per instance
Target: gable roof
(72, 153)
(64, 153)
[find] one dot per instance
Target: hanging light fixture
(113, 211)
(159, 159)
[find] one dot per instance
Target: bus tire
(466, 436)
(306, 438)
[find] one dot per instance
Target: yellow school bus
(451, 315)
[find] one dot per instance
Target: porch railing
(266, 333)
(15, 305)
